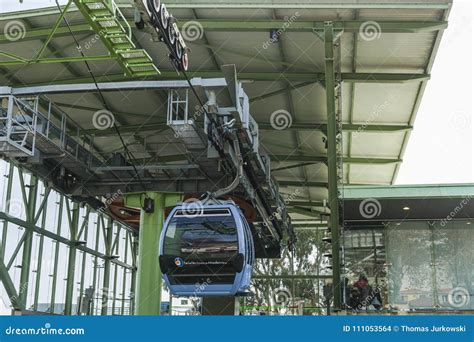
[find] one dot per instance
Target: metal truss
(60, 256)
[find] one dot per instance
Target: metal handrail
(119, 15)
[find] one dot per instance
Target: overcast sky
(440, 149)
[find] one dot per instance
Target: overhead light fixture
(406, 208)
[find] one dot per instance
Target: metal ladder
(109, 23)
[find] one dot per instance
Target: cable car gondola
(207, 252)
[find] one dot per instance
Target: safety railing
(23, 127)
(18, 123)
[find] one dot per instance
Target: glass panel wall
(416, 266)
(38, 236)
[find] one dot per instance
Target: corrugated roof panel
(374, 103)
(376, 144)
(371, 173)
(384, 103)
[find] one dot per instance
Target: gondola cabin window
(202, 247)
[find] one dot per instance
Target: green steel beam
(279, 91)
(42, 209)
(332, 160)
(7, 209)
(295, 126)
(83, 235)
(39, 33)
(256, 76)
(361, 128)
(57, 60)
(307, 203)
(323, 159)
(149, 280)
(248, 4)
(306, 212)
(53, 30)
(10, 287)
(289, 158)
(400, 26)
(303, 183)
(124, 279)
(294, 166)
(355, 49)
(301, 4)
(133, 282)
(73, 220)
(108, 232)
(383, 77)
(394, 26)
(253, 56)
(56, 255)
(13, 56)
(57, 236)
(30, 204)
(96, 262)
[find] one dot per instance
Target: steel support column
(10, 287)
(332, 159)
(133, 282)
(73, 218)
(149, 282)
(108, 255)
(28, 244)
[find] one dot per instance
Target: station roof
(386, 52)
(409, 202)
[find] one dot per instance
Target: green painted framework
(26, 209)
(327, 30)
